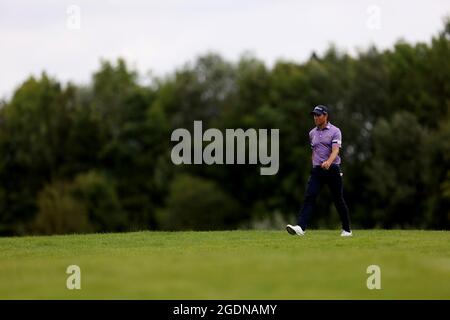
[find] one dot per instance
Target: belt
(318, 166)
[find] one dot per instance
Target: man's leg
(337, 191)
(312, 190)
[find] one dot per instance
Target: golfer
(325, 140)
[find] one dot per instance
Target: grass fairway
(228, 265)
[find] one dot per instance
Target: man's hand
(326, 164)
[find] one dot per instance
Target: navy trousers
(319, 177)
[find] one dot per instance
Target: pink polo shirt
(322, 142)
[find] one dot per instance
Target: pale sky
(159, 36)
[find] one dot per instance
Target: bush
(59, 212)
(198, 204)
(99, 197)
(87, 204)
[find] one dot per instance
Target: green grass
(228, 265)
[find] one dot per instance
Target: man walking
(325, 140)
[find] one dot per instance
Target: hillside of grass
(228, 265)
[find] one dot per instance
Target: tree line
(96, 157)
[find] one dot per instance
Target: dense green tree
(398, 170)
(195, 203)
(35, 126)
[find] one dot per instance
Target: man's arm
(336, 143)
(335, 151)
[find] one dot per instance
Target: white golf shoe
(295, 230)
(346, 233)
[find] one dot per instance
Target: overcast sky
(162, 35)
